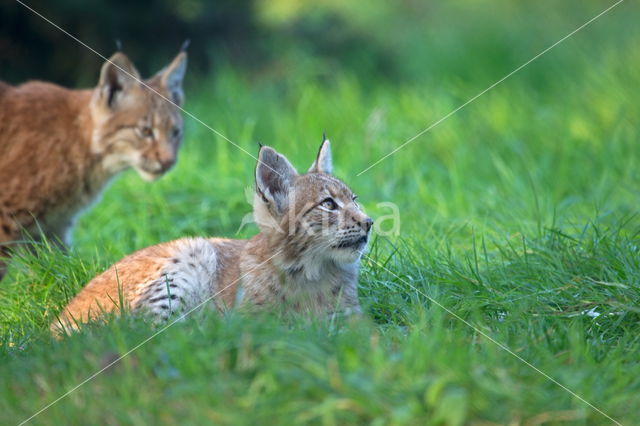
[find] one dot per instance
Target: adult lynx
(59, 147)
(305, 258)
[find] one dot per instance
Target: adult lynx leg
(8, 234)
(3, 268)
(16, 229)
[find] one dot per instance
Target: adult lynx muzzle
(305, 258)
(59, 147)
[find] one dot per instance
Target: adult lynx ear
(116, 76)
(172, 75)
(323, 162)
(274, 177)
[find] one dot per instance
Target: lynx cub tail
(305, 258)
(59, 148)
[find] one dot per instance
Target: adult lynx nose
(166, 165)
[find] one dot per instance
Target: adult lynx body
(59, 147)
(305, 258)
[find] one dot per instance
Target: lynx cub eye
(329, 204)
(175, 132)
(147, 132)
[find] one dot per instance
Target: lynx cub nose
(367, 224)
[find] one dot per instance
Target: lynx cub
(59, 147)
(305, 258)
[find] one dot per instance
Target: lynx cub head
(133, 125)
(314, 215)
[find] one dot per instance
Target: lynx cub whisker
(59, 148)
(305, 258)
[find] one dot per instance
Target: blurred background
(402, 41)
(256, 35)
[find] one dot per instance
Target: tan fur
(59, 147)
(305, 259)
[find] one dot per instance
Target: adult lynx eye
(147, 132)
(329, 204)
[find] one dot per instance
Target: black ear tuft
(172, 75)
(323, 162)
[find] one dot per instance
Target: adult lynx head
(314, 215)
(138, 125)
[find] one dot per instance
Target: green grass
(519, 214)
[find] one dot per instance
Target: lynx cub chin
(59, 147)
(305, 258)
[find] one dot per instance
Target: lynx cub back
(305, 258)
(60, 147)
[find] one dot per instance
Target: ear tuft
(172, 75)
(116, 76)
(323, 162)
(274, 177)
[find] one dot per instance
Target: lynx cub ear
(323, 163)
(274, 177)
(117, 75)
(172, 75)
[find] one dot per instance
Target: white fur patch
(187, 280)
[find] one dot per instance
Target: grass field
(519, 215)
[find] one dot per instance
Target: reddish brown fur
(60, 147)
